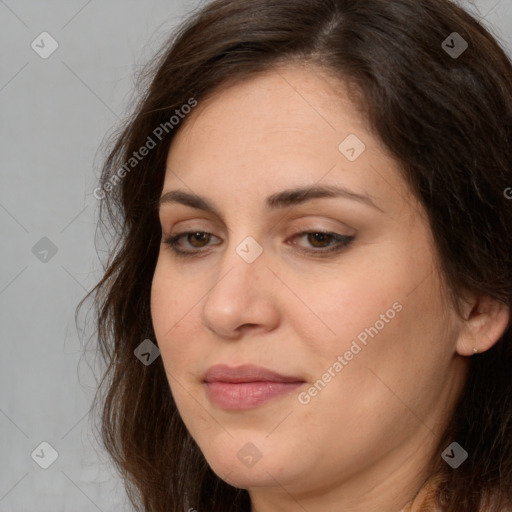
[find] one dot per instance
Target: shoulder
(425, 500)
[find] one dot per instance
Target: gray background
(55, 115)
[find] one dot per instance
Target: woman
(315, 230)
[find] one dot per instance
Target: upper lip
(245, 373)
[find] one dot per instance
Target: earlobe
(485, 321)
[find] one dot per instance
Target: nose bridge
(238, 296)
(242, 265)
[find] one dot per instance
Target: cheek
(392, 343)
(162, 303)
(169, 312)
(364, 303)
(169, 316)
(385, 318)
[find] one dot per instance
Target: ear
(485, 321)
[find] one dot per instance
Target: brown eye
(325, 243)
(198, 237)
(194, 240)
(319, 239)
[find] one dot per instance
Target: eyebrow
(279, 200)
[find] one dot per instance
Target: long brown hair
(446, 118)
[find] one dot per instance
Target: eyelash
(343, 242)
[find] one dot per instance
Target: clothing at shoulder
(425, 499)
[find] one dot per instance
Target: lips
(246, 386)
(245, 373)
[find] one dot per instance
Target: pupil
(199, 236)
(319, 237)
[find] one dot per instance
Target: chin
(246, 478)
(247, 467)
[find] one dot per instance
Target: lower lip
(246, 395)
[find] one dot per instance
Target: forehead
(290, 99)
(285, 127)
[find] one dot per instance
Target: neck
(390, 484)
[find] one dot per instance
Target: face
(337, 296)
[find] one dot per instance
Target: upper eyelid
(292, 232)
(300, 217)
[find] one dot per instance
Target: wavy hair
(446, 119)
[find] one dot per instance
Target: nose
(242, 298)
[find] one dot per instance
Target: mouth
(246, 386)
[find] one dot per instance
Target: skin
(364, 441)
